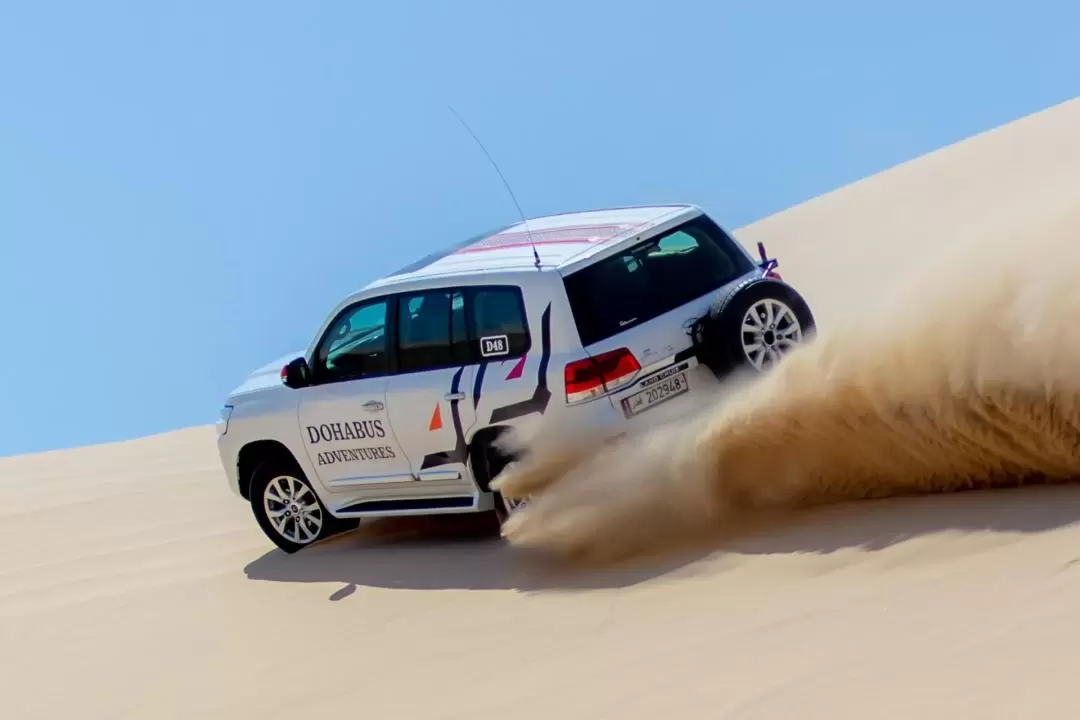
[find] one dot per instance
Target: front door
(432, 405)
(343, 415)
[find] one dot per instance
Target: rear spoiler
(768, 265)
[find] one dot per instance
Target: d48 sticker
(494, 346)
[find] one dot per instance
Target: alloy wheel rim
(770, 330)
(292, 509)
(513, 506)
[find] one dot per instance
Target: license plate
(669, 387)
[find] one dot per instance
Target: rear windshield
(653, 277)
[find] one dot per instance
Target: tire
(278, 478)
(487, 463)
(779, 317)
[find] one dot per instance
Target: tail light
(595, 376)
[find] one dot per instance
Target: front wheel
(287, 508)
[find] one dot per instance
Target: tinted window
(500, 313)
(652, 278)
(448, 327)
(356, 344)
(431, 330)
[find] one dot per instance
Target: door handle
(455, 396)
(372, 405)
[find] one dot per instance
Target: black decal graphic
(458, 453)
(478, 384)
(349, 434)
(541, 396)
(313, 434)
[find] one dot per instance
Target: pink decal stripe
(519, 367)
(577, 234)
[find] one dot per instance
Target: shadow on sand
(439, 553)
(465, 552)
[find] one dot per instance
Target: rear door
(343, 417)
(644, 299)
(430, 407)
(466, 360)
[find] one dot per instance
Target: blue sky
(186, 188)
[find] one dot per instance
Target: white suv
(395, 406)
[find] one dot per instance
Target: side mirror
(296, 374)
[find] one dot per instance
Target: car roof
(557, 239)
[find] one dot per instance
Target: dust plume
(966, 376)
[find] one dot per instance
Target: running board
(409, 505)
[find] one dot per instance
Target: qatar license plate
(659, 391)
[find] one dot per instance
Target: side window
(499, 325)
(431, 330)
(355, 345)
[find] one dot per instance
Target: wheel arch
(477, 459)
(254, 453)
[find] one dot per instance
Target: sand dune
(965, 379)
(132, 584)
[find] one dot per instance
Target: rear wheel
(504, 507)
(287, 508)
(487, 462)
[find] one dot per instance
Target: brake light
(594, 376)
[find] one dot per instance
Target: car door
(343, 416)
(430, 406)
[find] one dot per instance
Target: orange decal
(436, 419)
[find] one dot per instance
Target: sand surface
(133, 585)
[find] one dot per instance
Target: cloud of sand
(966, 376)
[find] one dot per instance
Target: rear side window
(499, 324)
(652, 278)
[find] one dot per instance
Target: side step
(365, 507)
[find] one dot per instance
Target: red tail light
(591, 377)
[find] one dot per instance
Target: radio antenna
(536, 256)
